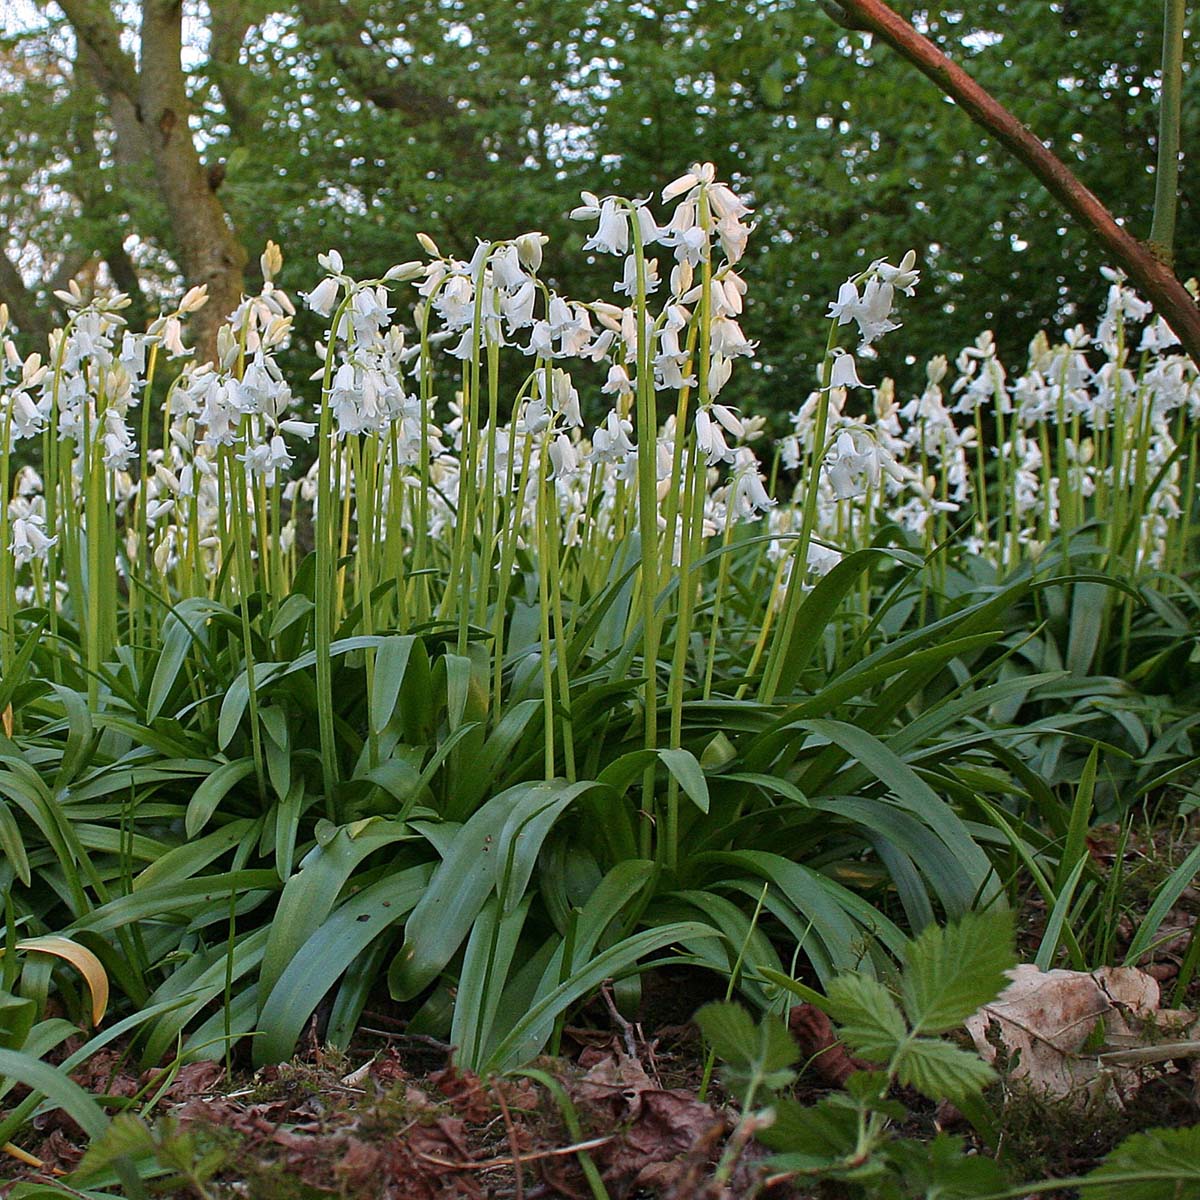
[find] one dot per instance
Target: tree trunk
(209, 251)
(30, 318)
(149, 106)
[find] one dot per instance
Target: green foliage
(175, 1157)
(1161, 1164)
(868, 1016)
(454, 816)
(508, 775)
(19, 1067)
(755, 1056)
(950, 971)
(848, 1136)
(361, 124)
(947, 974)
(941, 1169)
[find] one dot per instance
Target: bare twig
(492, 1164)
(627, 1031)
(511, 1130)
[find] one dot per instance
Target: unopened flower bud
(72, 297)
(403, 272)
(227, 347)
(194, 298)
(677, 187)
(271, 261)
(32, 370)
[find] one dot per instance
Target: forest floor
(621, 1111)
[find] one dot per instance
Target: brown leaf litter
(1083, 1036)
(377, 1132)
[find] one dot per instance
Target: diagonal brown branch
(98, 28)
(1152, 278)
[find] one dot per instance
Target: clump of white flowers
(1019, 457)
(1087, 428)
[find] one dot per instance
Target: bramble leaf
(730, 1030)
(1160, 1164)
(758, 1055)
(870, 1021)
(127, 1136)
(951, 971)
(943, 1170)
(813, 1137)
(941, 1070)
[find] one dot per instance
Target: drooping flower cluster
(1015, 459)
(1078, 436)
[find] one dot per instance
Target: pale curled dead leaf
(1078, 1034)
(82, 959)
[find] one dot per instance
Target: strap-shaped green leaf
(319, 963)
(309, 896)
(618, 960)
(497, 848)
(55, 1086)
(391, 663)
(206, 798)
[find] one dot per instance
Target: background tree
(358, 123)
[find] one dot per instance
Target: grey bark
(150, 110)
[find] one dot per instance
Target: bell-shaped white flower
(618, 381)
(611, 442)
(564, 457)
(844, 374)
(324, 296)
(29, 539)
(612, 235)
(710, 440)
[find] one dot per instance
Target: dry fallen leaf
(465, 1091)
(660, 1127)
(1069, 1033)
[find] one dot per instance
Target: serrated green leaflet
(1163, 1164)
(950, 972)
(870, 1020)
(731, 1031)
(940, 1070)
